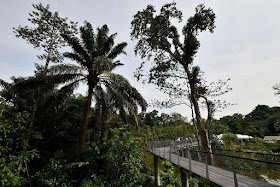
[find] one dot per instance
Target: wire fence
(259, 166)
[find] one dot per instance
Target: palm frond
(87, 36)
(77, 47)
(125, 103)
(64, 68)
(117, 50)
(69, 88)
(101, 38)
(109, 43)
(139, 99)
(76, 57)
(116, 64)
(49, 80)
(127, 90)
(124, 95)
(102, 64)
(4, 84)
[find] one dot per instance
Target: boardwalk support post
(185, 178)
(234, 174)
(156, 171)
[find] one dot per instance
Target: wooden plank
(229, 175)
(216, 175)
(203, 171)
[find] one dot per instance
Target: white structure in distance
(241, 138)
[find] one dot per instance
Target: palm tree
(96, 53)
(23, 91)
(121, 98)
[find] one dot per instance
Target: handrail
(179, 148)
(231, 156)
(269, 154)
(225, 155)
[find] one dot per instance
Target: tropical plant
(123, 162)
(229, 139)
(95, 53)
(168, 177)
(14, 169)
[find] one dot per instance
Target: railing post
(199, 155)
(157, 146)
(182, 148)
(234, 173)
(170, 151)
(206, 161)
(178, 157)
(190, 159)
(212, 152)
(164, 152)
(256, 172)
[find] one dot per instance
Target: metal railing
(244, 163)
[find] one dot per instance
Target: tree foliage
(46, 32)
(168, 176)
(229, 139)
(172, 55)
(262, 121)
(96, 53)
(49, 95)
(14, 162)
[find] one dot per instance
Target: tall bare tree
(44, 35)
(172, 55)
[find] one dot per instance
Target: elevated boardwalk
(216, 176)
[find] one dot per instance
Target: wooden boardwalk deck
(217, 176)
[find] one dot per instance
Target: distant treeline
(262, 121)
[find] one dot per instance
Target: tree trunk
(102, 134)
(1, 113)
(203, 131)
(85, 123)
(37, 101)
(31, 122)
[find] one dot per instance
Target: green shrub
(168, 177)
(13, 160)
(229, 139)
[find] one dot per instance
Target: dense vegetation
(42, 139)
(262, 121)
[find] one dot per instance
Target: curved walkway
(216, 176)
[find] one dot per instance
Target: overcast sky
(244, 47)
